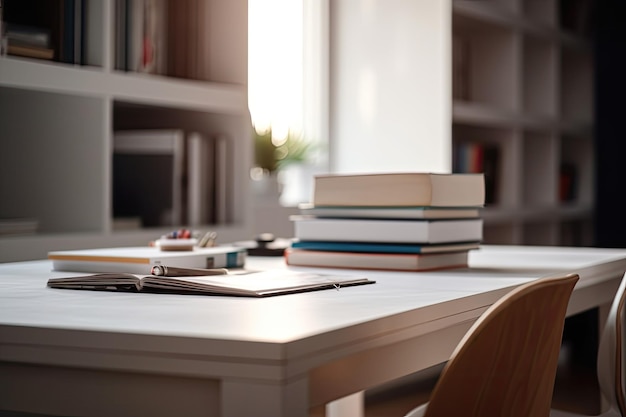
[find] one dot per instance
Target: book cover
(253, 284)
(382, 247)
(400, 189)
(376, 261)
(387, 231)
(420, 212)
(139, 260)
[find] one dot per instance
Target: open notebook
(253, 284)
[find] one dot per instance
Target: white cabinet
(57, 122)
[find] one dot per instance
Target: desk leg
(350, 406)
(603, 315)
(247, 398)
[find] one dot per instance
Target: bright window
(275, 64)
(287, 78)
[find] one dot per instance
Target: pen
(170, 271)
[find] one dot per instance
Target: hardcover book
(400, 189)
(413, 212)
(376, 261)
(368, 247)
(254, 284)
(387, 231)
(139, 260)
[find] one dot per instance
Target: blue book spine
(356, 247)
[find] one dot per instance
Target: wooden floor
(576, 389)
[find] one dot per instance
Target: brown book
(30, 51)
(376, 261)
(400, 189)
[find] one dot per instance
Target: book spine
(235, 259)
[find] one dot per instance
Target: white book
(387, 231)
(201, 180)
(139, 260)
(419, 212)
(400, 189)
(223, 169)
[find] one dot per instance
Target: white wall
(390, 85)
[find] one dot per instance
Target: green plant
(272, 155)
(264, 151)
(293, 150)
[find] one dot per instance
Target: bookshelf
(437, 77)
(59, 120)
(523, 82)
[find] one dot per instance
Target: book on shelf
(373, 247)
(201, 179)
(409, 212)
(376, 261)
(254, 284)
(140, 35)
(27, 35)
(30, 51)
(34, 28)
(387, 230)
(189, 35)
(140, 259)
(18, 226)
(400, 189)
(148, 175)
(209, 186)
(473, 157)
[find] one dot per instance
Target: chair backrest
(506, 363)
(611, 355)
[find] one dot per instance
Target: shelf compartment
(498, 148)
(542, 12)
(540, 170)
(576, 88)
(228, 135)
(488, 64)
(577, 170)
(81, 42)
(540, 78)
(53, 169)
(181, 39)
(576, 16)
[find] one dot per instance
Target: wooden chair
(611, 360)
(506, 363)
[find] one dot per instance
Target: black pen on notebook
(171, 271)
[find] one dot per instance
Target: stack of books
(390, 221)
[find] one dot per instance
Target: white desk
(101, 354)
